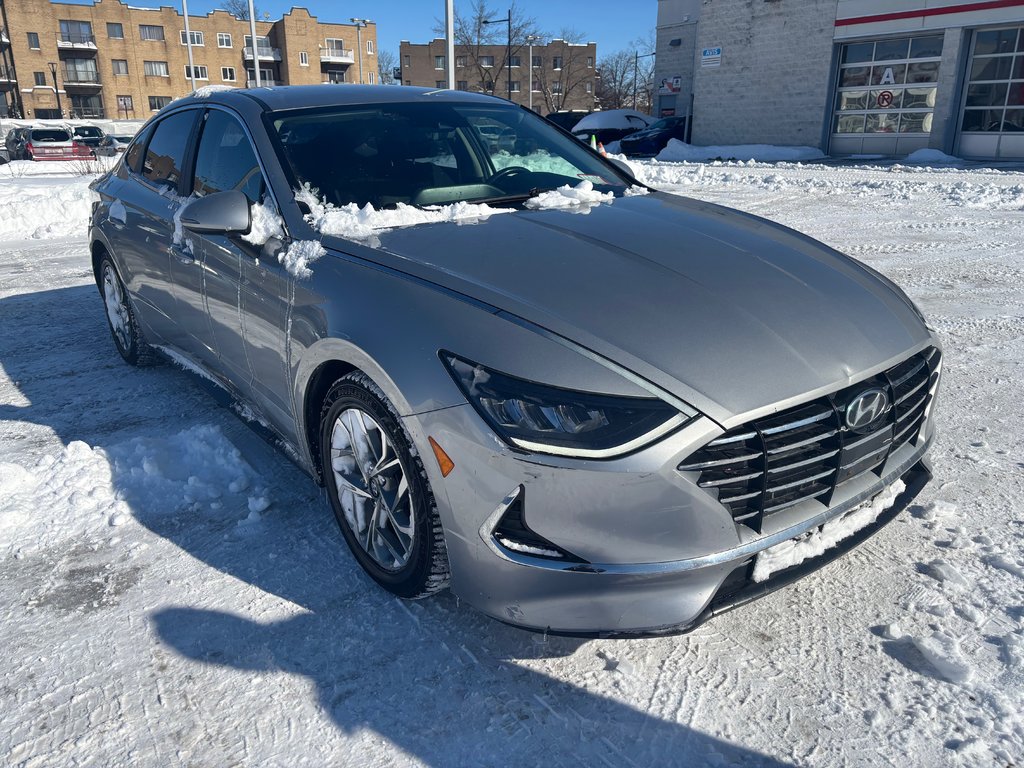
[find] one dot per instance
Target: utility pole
(636, 70)
(360, 23)
(252, 36)
(508, 48)
(530, 40)
(56, 90)
(449, 35)
(188, 44)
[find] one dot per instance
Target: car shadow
(443, 683)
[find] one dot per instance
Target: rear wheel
(124, 327)
(379, 490)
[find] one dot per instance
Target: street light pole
(188, 45)
(636, 70)
(530, 40)
(56, 90)
(449, 34)
(255, 51)
(360, 23)
(508, 48)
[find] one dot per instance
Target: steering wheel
(508, 173)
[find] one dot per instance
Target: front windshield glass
(433, 154)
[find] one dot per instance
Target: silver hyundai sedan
(586, 406)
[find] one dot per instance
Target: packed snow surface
(680, 151)
(174, 592)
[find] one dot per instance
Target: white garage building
(848, 76)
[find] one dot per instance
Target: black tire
(129, 340)
(426, 570)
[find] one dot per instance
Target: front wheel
(379, 490)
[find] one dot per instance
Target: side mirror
(622, 166)
(221, 213)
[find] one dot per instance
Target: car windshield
(88, 132)
(433, 154)
(50, 135)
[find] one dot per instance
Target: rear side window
(165, 154)
(226, 159)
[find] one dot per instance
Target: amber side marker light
(443, 460)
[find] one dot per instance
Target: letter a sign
(888, 78)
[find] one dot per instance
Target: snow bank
(581, 195)
(931, 156)
(355, 223)
(38, 209)
(820, 540)
(680, 152)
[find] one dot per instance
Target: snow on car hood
(730, 312)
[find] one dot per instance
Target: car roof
(330, 95)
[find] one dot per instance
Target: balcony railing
(337, 56)
(76, 41)
(4, 39)
(264, 83)
(82, 77)
(88, 112)
(265, 53)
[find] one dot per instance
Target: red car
(54, 144)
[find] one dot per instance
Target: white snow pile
(677, 151)
(355, 223)
(208, 90)
(582, 195)
(266, 224)
(299, 255)
(612, 119)
(943, 652)
(37, 209)
(931, 156)
(819, 540)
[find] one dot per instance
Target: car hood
(727, 311)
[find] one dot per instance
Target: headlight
(545, 419)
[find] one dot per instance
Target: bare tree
(472, 34)
(240, 9)
(386, 62)
(569, 81)
(626, 80)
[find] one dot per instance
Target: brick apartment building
(562, 76)
(114, 60)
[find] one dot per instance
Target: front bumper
(662, 555)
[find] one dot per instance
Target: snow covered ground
(174, 592)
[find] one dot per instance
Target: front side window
(166, 151)
(151, 32)
(432, 154)
(226, 160)
(197, 38)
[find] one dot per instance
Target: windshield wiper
(511, 199)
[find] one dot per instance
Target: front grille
(807, 452)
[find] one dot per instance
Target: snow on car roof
(305, 96)
(612, 118)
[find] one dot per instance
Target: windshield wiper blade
(508, 199)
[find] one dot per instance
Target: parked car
(610, 125)
(53, 144)
(14, 141)
(650, 141)
(567, 119)
(112, 145)
(627, 421)
(89, 135)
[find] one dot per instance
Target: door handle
(182, 255)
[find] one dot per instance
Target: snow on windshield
(582, 195)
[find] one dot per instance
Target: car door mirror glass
(221, 213)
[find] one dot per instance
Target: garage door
(992, 121)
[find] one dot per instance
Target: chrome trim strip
(737, 553)
(585, 453)
(797, 424)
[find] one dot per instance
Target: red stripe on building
(924, 12)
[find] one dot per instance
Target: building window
(887, 86)
(155, 69)
(514, 61)
(369, 47)
(303, 59)
(156, 103)
(556, 62)
(556, 87)
(536, 85)
(590, 62)
(460, 61)
(537, 62)
(486, 61)
(83, 105)
(115, 30)
(372, 77)
(125, 104)
(227, 74)
(335, 76)
(515, 86)
(200, 72)
(33, 41)
(120, 66)
(408, 82)
(224, 40)
(462, 85)
(590, 87)
(408, 62)
(76, 32)
(40, 78)
(151, 32)
(198, 38)
(994, 101)
(440, 84)
(439, 62)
